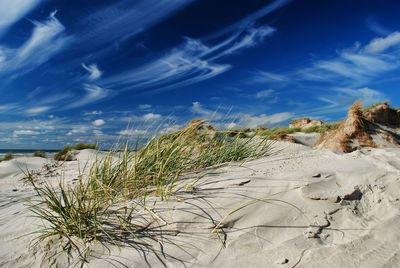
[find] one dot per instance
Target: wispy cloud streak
(46, 40)
(197, 59)
(93, 93)
(357, 65)
(193, 62)
(94, 71)
(13, 11)
(125, 19)
(352, 67)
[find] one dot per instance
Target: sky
(98, 71)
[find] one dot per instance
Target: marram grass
(86, 210)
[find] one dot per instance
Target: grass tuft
(274, 133)
(157, 165)
(39, 154)
(66, 154)
(375, 105)
(7, 157)
(87, 211)
(321, 128)
(69, 211)
(82, 146)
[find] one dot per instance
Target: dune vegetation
(110, 202)
(90, 210)
(280, 132)
(7, 157)
(39, 154)
(66, 154)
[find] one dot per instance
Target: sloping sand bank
(299, 208)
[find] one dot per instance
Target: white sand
(308, 139)
(292, 217)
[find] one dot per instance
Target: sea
(23, 152)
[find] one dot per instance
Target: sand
(302, 207)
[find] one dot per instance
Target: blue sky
(74, 71)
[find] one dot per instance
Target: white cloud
(93, 113)
(381, 44)
(252, 18)
(376, 27)
(241, 119)
(94, 72)
(181, 67)
(124, 19)
(366, 95)
(12, 11)
(8, 107)
(264, 93)
(192, 62)
(339, 100)
(198, 109)
(267, 77)
(356, 66)
(170, 128)
(43, 125)
(78, 130)
(97, 132)
(132, 132)
(25, 133)
(144, 106)
(93, 93)
(255, 121)
(231, 125)
(37, 110)
(46, 40)
(152, 117)
(253, 37)
(98, 122)
(53, 98)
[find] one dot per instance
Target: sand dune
(300, 208)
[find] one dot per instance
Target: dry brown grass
(382, 113)
(350, 134)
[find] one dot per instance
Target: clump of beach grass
(7, 157)
(274, 133)
(157, 165)
(82, 146)
(39, 154)
(67, 153)
(86, 210)
(64, 154)
(321, 128)
(68, 211)
(375, 105)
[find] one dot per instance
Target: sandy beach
(302, 207)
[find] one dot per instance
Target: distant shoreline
(26, 152)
